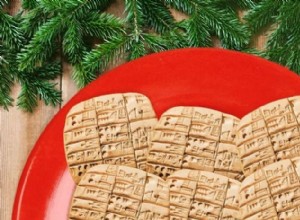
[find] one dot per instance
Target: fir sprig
(144, 22)
(283, 17)
(35, 84)
(213, 18)
(72, 22)
(39, 86)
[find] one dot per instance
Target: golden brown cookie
(272, 192)
(111, 192)
(203, 195)
(194, 138)
(269, 134)
(109, 129)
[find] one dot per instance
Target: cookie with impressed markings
(268, 134)
(203, 195)
(111, 192)
(194, 138)
(109, 129)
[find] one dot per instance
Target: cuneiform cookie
(203, 195)
(269, 134)
(194, 138)
(111, 192)
(109, 129)
(272, 192)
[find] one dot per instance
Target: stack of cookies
(192, 163)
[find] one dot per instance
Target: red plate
(228, 81)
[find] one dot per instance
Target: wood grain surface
(19, 131)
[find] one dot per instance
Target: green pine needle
(186, 6)
(73, 44)
(227, 27)
(40, 48)
(99, 58)
(102, 26)
(28, 98)
(263, 14)
(197, 31)
(283, 43)
(29, 4)
(10, 32)
(158, 16)
(3, 3)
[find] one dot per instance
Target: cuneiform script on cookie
(203, 195)
(272, 192)
(194, 138)
(110, 129)
(119, 192)
(269, 134)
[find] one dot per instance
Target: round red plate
(228, 81)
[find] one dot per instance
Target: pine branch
(158, 16)
(263, 14)
(208, 18)
(3, 3)
(41, 46)
(32, 20)
(46, 90)
(233, 4)
(50, 71)
(197, 31)
(283, 43)
(137, 49)
(7, 79)
(28, 98)
(103, 26)
(29, 4)
(185, 6)
(35, 85)
(99, 59)
(9, 31)
(88, 6)
(232, 33)
(73, 45)
(155, 43)
(134, 10)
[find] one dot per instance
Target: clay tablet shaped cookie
(203, 195)
(194, 138)
(111, 192)
(110, 129)
(269, 134)
(272, 192)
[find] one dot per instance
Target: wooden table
(19, 131)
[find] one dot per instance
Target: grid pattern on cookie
(117, 192)
(110, 129)
(203, 195)
(269, 134)
(272, 192)
(194, 138)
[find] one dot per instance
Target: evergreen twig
(283, 43)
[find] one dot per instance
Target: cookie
(203, 195)
(272, 192)
(119, 192)
(268, 134)
(109, 129)
(194, 138)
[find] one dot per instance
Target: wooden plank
(18, 133)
